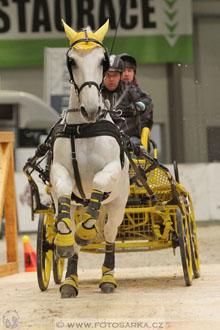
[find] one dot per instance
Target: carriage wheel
(58, 265)
(44, 252)
(193, 237)
(185, 248)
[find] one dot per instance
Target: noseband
(86, 83)
(69, 62)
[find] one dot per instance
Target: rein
(103, 114)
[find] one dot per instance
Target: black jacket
(131, 120)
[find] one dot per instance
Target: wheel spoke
(58, 265)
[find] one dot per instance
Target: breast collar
(86, 130)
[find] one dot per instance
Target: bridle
(70, 63)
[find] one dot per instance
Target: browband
(88, 40)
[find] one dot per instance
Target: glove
(139, 106)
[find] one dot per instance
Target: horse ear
(101, 32)
(70, 33)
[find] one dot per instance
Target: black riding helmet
(129, 61)
(115, 64)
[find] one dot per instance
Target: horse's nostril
(99, 109)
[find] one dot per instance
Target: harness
(79, 131)
(70, 63)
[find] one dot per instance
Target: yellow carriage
(159, 214)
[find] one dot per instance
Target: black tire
(44, 255)
(176, 171)
(185, 248)
(193, 237)
(58, 265)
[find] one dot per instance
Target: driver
(136, 105)
(130, 65)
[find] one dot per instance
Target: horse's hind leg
(69, 288)
(108, 283)
(115, 212)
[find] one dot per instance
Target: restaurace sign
(144, 23)
(46, 16)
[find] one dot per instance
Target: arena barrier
(8, 203)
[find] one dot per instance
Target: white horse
(102, 178)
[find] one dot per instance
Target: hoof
(68, 291)
(64, 245)
(107, 287)
(81, 241)
(65, 251)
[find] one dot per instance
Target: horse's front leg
(69, 288)
(62, 184)
(104, 181)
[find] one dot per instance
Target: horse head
(87, 61)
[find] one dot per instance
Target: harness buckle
(118, 112)
(78, 129)
(73, 155)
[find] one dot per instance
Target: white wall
(201, 181)
(201, 81)
(28, 80)
(152, 78)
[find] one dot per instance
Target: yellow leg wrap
(86, 233)
(86, 217)
(72, 281)
(106, 270)
(67, 221)
(107, 277)
(65, 239)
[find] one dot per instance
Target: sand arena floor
(151, 293)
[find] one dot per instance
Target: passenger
(136, 105)
(130, 65)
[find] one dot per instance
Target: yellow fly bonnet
(75, 37)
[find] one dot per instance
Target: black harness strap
(99, 128)
(102, 127)
(76, 169)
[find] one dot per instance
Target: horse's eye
(70, 62)
(105, 64)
